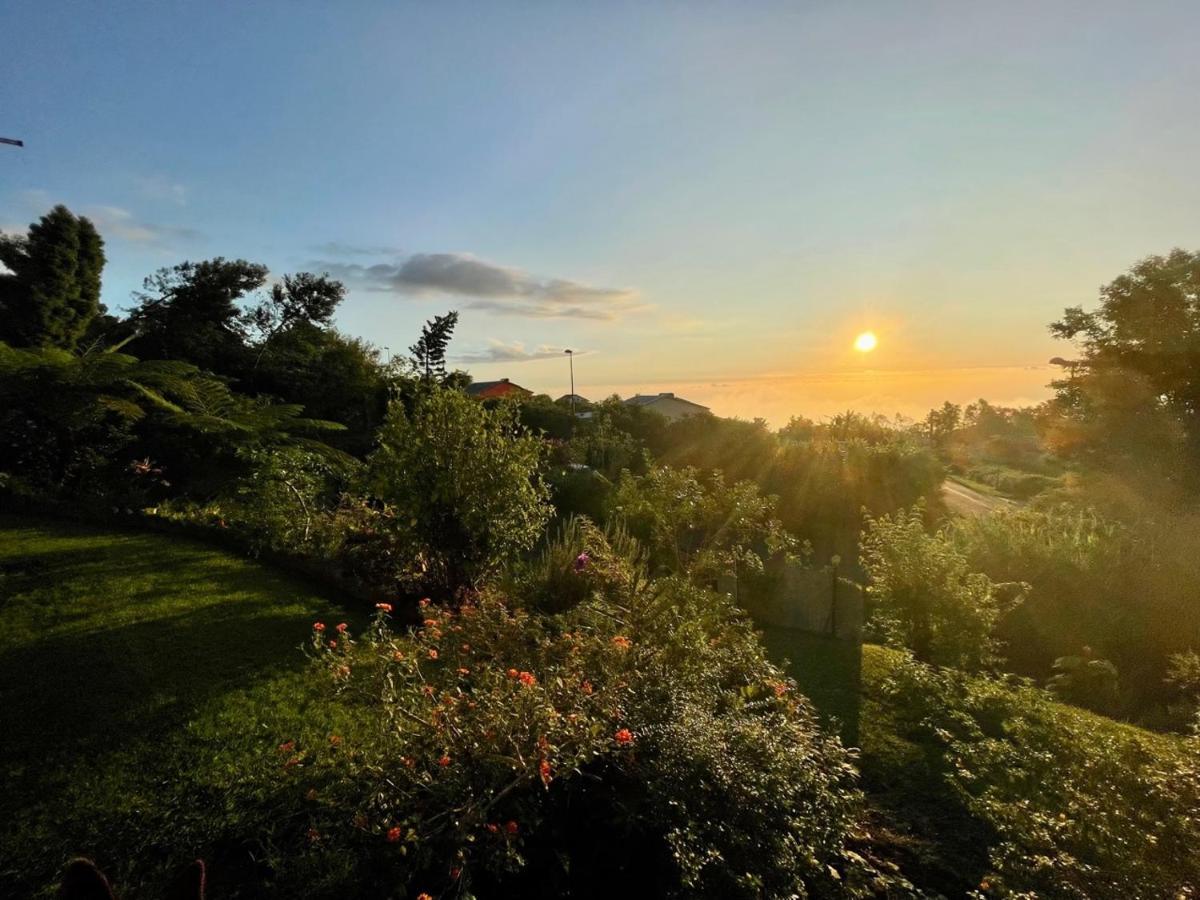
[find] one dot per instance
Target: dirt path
(965, 501)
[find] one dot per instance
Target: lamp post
(571, 357)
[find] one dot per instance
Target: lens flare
(865, 342)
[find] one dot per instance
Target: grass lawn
(122, 658)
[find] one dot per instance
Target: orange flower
(335, 740)
(341, 627)
(287, 746)
(545, 772)
(513, 673)
(393, 834)
(424, 602)
(333, 645)
(492, 827)
(779, 688)
(397, 655)
(466, 648)
(586, 687)
(386, 607)
(527, 679)
(623, 736)
(318, 626)
(512, 827)
(429, 623)
(463, 670)
(622, 642)
(433, 652)
(423, 896)
(444, 760)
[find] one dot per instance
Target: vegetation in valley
(529, 685)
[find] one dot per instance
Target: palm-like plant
(64, 412)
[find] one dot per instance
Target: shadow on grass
(110, 640)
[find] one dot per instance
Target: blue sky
(694, 194)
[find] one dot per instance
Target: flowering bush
(646, 744)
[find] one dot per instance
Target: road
(964, 501)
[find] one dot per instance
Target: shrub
(578, 563)
(645, 746)
(1085, 681)
(286, 499)
(1079, 806)
(925, 596)
(459, 488)
(703, 527)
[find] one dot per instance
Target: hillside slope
(976, 783)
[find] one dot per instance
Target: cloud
(337, 248)
(512, 352)
(504, 290)
(115, 221)
(110, 221)
(158, 187)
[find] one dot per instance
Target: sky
(710, 198)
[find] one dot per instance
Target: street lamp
(571, 357)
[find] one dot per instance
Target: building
(487, 390)
(668, 406)
(580, 402)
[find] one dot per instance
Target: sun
(865, 342)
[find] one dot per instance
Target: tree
(335, 376)
(460, 482)
(301, 298)
(52, 290)
(926, 598)
(429, 352)
(1131, 402)
(940, 424)
(190, 311)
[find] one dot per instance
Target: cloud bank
(504, 290)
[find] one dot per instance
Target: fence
(811, 621)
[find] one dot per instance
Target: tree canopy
(51, 292)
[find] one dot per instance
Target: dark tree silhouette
(429, 353)
(52, 290)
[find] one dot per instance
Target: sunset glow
(865, 342)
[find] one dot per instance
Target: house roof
(648, 399)
(494, 388)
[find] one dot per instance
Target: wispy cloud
(159, 187)
(338, 248)
(512, 352)
(116, 221)
(111, 221)
(504, 290)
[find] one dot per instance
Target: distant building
(486, 390)
(580, 402)
(668, 405)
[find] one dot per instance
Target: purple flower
(581, 561)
